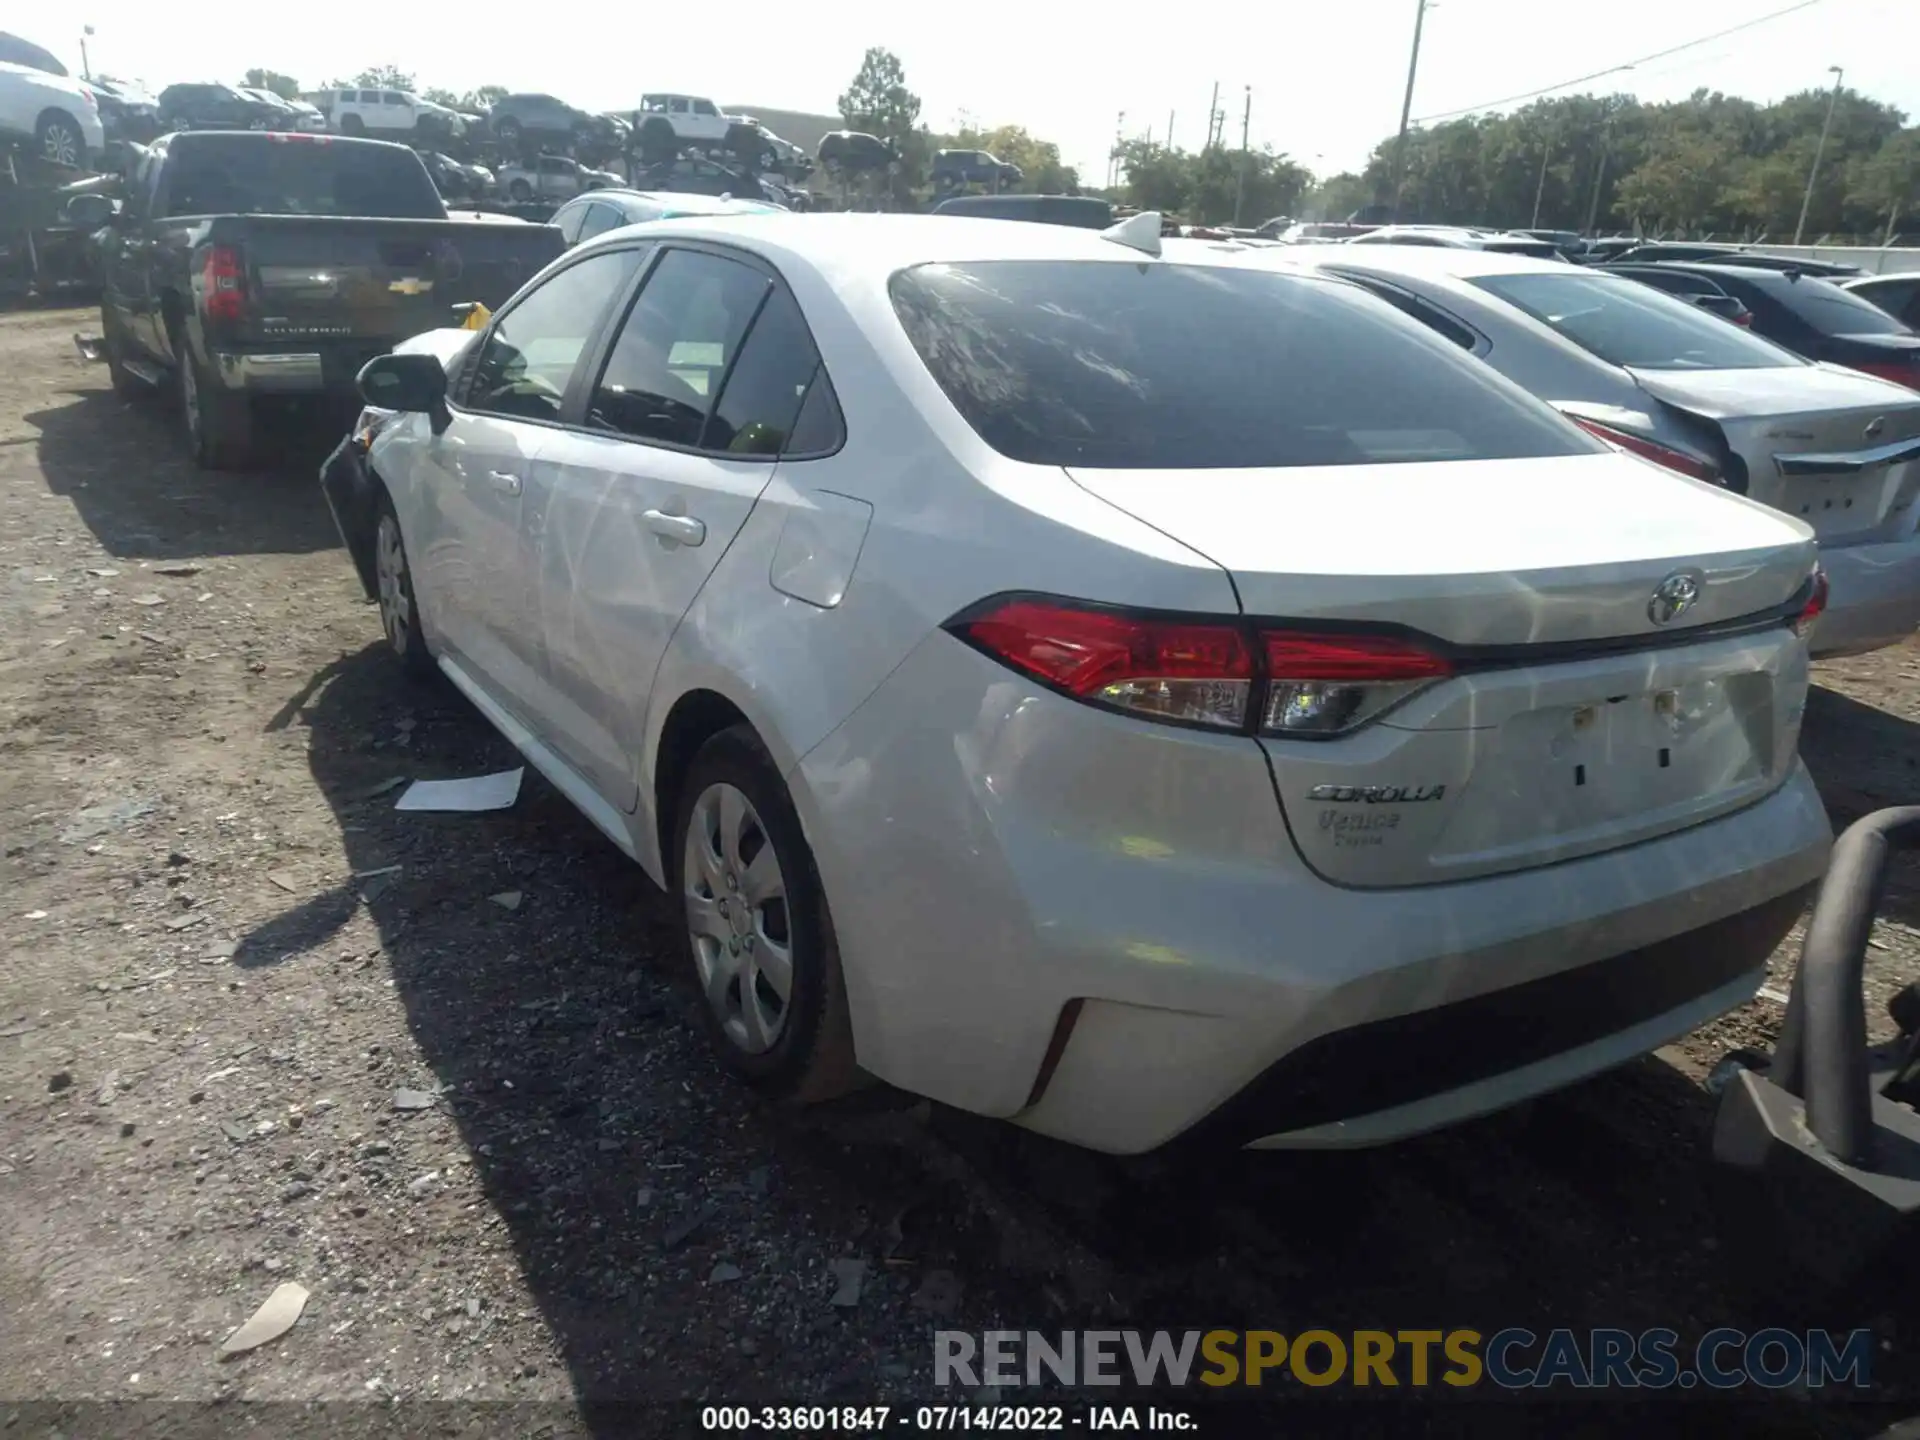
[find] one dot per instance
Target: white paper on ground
(476, 792)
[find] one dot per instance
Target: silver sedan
(1662, 380)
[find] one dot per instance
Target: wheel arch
(695, 718)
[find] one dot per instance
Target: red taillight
(1816, 605)
(1321, 684)
(1899, 372)
(223, 279)
(1216, 674)
(1744, 319)
(1186, 670)
(1659, 454)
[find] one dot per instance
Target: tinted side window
(1627, 323)
(1184, 367)
(756, 411)
(1434, 319)
(569, 221)
(528, 357)
(820, 428)
(601, 218)
(673, 348)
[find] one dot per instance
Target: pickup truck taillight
(223, 282)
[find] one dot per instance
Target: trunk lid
(1836, 450)
(321, 277)
(1572, 722)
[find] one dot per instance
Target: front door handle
(681, 529)
(503, 482)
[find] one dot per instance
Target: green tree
(380, 77)
(1204, 188)
(1887, 182)
(285, 86)
(879, 103)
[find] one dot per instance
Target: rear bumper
(323, 371)
(1874, 600)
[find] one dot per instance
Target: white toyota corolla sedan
(1117, 693)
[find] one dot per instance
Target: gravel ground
(445, 1071)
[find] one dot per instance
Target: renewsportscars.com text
(1513, 1359)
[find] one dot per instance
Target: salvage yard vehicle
(551, 177)
(247, 267)
(54, 114)
(1088, 212)
(221, 107)
(1820, 320)
(665, 123)
(1696, 290)
(514, 118)
(1078, 683)
(1654, 375)
(582, 219)
(1898, 295)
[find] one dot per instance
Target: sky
(1326, 80)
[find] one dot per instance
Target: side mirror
(91, 211)
(415, 384)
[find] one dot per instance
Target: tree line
(1708, 164)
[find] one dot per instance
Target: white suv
(384, 114)
(686, 119)
(55, 114)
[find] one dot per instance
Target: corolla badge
(1674, 596)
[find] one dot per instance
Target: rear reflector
(1675, 460)
(1816, 605)
(223, 278)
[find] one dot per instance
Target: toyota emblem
(1674, 596)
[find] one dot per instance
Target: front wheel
(521, 191)
(399, 608)
(508, 131)
(758, 930)
(352, 125)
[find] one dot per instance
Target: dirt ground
(226, 955)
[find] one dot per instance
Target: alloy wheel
(736, 902)
(59, 144)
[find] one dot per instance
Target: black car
(219, 107)
(954, 168)
(543, 117)
(1083, 212)
(1696, 290)
(127, 113)
(693, 175)
(848, 151)
(1819, 320)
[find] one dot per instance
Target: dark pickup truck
(244, 266)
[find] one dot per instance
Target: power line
(1624, 65)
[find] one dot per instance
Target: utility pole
(1213, 118)
(1113, 161)
(1170, 129)
(86, 69)
(1406, 108)
(1600, 174)
(1819, 151)
(1540, 190)
(1246, 155)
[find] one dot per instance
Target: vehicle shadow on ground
(124, 467)
(1865, 759)
(626, 1165)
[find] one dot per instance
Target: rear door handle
(503, 482)
(682, 529)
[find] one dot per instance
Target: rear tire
(509, 131)
(520, 191)
(219, 425)
(756, 918)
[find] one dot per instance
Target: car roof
(859, 246)
(690, 202)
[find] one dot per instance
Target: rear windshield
(1833, 311)
(1169, 366)
(1627, 323)
(255, 175)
